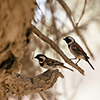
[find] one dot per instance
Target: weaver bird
(49, 63)
(77, 50)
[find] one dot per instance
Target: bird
(77, 50)
(49, 63)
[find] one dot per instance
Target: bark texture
(20, 85)
(15, 33)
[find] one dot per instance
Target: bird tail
(68, 68)
(89, 63)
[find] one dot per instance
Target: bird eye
(40, 59)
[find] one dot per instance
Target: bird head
(69, 40)
(41, 57)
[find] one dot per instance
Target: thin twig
(57, 49)
(68, 12)
(41, 95)
(61, 75)
(83, 11)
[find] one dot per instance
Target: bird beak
(64, 39)
(35, 57)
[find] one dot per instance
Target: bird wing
(77, 49)
(52, 62)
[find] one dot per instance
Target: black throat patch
(41, 64)
(68, 46)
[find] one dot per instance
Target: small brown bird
(49, 63)
(76, 50)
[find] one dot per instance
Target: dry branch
(21, 85)
(83, 11)
(57, 49)
(41, 96)
(68, 12)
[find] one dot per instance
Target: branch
(68, 12)
(57, 49)
(83, 11)
(41, 96)
(21, 85)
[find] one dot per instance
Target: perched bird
(49, 63)
(76, 50)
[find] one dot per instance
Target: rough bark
(20, 85)
(15, 32)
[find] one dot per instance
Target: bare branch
(41, 95)
(68, 12)
(57, 49)
(83, 11)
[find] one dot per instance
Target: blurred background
(51, 19)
